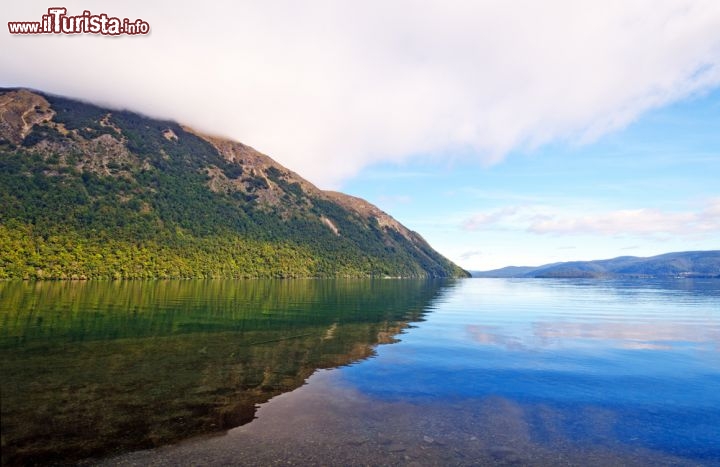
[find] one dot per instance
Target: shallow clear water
(645, 353)
(477, 371)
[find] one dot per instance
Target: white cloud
(644, 222)
(489, 218)
(329, 87)
(626, 221)
(466, 255)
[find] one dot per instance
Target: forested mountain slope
(89, 192)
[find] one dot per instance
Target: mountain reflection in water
(95, 368)
(487, 372)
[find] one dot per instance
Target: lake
(361, 372)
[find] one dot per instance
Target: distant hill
(681, 264)
(90, 192)
(508, 271)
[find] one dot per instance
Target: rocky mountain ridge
(119, 175)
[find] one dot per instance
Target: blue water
(648, 352)
(468, 372)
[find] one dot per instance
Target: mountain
(681, 264)
(508, 271)
(90, 192)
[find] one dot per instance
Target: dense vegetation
(100, 194)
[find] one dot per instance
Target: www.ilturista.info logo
(58, 22)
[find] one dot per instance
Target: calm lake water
(361, 372)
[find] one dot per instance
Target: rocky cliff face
(91, 175)
(20, 111)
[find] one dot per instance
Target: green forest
(73, 208)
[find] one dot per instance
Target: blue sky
(519, 132)
(666, 165)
